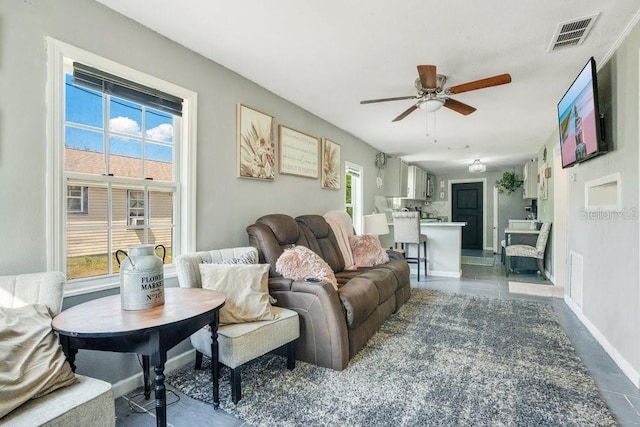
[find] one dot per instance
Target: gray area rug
(442, 360)
(477, 260)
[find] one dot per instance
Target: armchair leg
(507, 265)
(541, 268)
(291, 355)
(236, 389)
(198, 360)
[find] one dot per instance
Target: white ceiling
(328, 55)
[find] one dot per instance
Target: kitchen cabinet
(530, 178)
(396, 177)
(416, 183)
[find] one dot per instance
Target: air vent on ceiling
(572, 33)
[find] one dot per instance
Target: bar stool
(406, 230)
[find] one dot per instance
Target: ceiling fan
(432, 95)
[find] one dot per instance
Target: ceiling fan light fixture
(477, 166)
(431, 104)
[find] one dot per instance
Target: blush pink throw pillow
(300, 262)
(367, 251)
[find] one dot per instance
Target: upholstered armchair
(87, 401)
(527, 251)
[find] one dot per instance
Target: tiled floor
(622, 397)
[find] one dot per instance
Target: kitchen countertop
(442, 224)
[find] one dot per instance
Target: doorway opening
(469, 204)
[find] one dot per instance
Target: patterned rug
(477, 260)
(442, 360)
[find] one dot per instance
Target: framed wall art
(330, 164)
(298, 153)
(256, 147)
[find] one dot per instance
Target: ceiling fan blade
(397, 98)
(405, 113)
(459, 107)
(428, 76)
(481, 84)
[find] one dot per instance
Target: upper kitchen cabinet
(395, 177)
(530, 178)
(417, 184)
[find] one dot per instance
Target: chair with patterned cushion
(406, 230)
(527, 251)
(238, 343)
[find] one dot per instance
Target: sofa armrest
(323, 329)
(394, 254)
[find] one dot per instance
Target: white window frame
(185, 236)
(83, 196)
(134, 220)
(356, 194)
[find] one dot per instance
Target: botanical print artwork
(256, 148)
(330, 164)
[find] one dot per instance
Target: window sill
(83, 287)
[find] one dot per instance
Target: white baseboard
(625, 367)
(444, 273)
(128, 385)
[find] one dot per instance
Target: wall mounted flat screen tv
(579, 119)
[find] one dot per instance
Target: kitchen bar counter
(444, 247)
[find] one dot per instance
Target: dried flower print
(330, 164)
(256, 148)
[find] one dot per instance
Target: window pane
(158, 162)
(82, 105)
(159, 125)
(123, 239)
(84, 151)
(164, 237)
(161, 208)
(96, 216)
(125, 157)
(125, 117)
(86, 254)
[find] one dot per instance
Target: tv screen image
(579, 119)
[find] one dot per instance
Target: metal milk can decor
(141, 277)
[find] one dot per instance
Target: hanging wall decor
(256, 147)
(331, 166)
(298, 153)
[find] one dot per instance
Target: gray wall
(225, 204)
(610, 244)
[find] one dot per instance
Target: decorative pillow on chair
(245, 288)
(32, 363)
(367, 251)
(248, 258)
(300, 262)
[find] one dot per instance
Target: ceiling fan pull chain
(435, 133)
(426, 115)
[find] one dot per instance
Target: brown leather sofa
(334, 325)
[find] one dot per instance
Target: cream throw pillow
(32, 363)
(245, 287)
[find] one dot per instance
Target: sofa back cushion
(271, 235)
(321, 240)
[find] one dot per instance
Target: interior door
(466, 206)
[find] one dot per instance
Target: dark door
(466, 206)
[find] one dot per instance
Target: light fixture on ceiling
(477, 166)
(431, 104)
